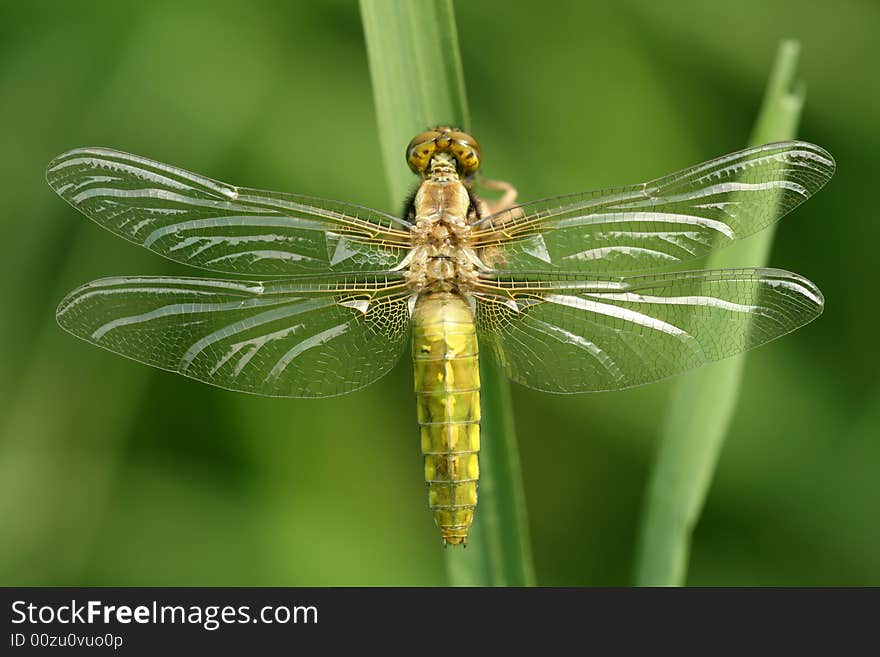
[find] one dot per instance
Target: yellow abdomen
(447, 377)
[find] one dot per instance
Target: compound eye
(441, 139)
(466, 150)
(421, 149)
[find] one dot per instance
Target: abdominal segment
(447, 384)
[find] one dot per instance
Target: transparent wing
(305, 338)
(209, 224)
(670, 220)
(586, 336)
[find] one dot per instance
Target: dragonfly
(571, 294)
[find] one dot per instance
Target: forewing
(670, 220)
(209, 224)
(315, 338)
(588, 336)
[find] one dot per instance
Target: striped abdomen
(447, 374)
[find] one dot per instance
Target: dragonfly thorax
(441, 234)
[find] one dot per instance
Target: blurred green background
(114, 473)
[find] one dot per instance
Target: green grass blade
(418, 82)
(417, 79)
(703, 401)
(498, 551)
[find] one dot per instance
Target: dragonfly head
(443, 139)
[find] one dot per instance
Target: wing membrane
(592, 335)
(209, 224)
(303, 338)
(661, 223)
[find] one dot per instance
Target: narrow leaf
(703, 401)
(417, 83)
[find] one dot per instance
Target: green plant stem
(704, 401)
(417, 79)
(498, 551)
(418, 82)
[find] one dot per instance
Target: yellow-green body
(447, 385)
(441, 272)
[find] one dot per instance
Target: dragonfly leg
(507, 200)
